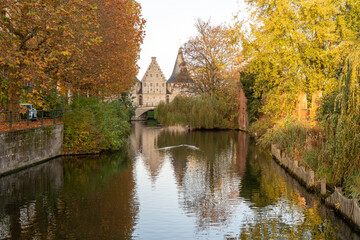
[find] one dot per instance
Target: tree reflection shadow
(96, 200)
(229, 171)
(207, 179)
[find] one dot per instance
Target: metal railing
(13, 117)
(146, 105)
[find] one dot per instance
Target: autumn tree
(49, 48)
(110, 67)
(212, 58)
(35, 39)
(296, 46)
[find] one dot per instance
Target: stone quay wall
(23, 148)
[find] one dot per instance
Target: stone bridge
(140, 113)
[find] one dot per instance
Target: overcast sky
(170, 23)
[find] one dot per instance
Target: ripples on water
(168, 184)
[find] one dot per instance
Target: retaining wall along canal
(348, 208)
(21, 148)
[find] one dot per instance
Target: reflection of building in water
(143, 140)
(241, 153)
(208, 180)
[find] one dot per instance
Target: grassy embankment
(330, 146)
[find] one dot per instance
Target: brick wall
(243, 118)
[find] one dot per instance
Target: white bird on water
(181, 145)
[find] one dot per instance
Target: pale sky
(170, 23)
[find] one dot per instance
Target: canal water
(168, 184)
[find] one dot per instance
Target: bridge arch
(140, 113)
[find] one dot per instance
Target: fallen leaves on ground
(20, 125)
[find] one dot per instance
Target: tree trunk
(14, 95)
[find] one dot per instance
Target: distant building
(154, 88)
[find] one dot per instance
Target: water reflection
(70, 198)
(207, 180)
(224, 187)
(143, 141)
(18, 210)
(229, 188)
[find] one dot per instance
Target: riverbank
(333, 197)
(324, 159)
(89, 127)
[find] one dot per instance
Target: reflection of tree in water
(96, 202)
(280, 210)
(267, 227)
(207, 178)
(260, 184)
(19, 191)
(209, 143)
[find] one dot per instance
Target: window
(157, 75)
(150, 75)
(144, 84)
(150, 84)
(163, 85)
(157, 84)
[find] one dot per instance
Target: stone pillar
(323, 186)
(243, 119)
(301, 107)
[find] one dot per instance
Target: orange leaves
(77, 45)
(112, 61)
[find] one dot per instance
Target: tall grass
(332, 151)
(200, 112)
(290, 134)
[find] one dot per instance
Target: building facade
(154, 88)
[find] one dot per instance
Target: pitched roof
(180, 73)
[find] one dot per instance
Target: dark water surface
(168, 184)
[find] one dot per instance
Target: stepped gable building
(154, 88)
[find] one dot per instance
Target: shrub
(92, 125)
(201, 112)
(289, 133)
